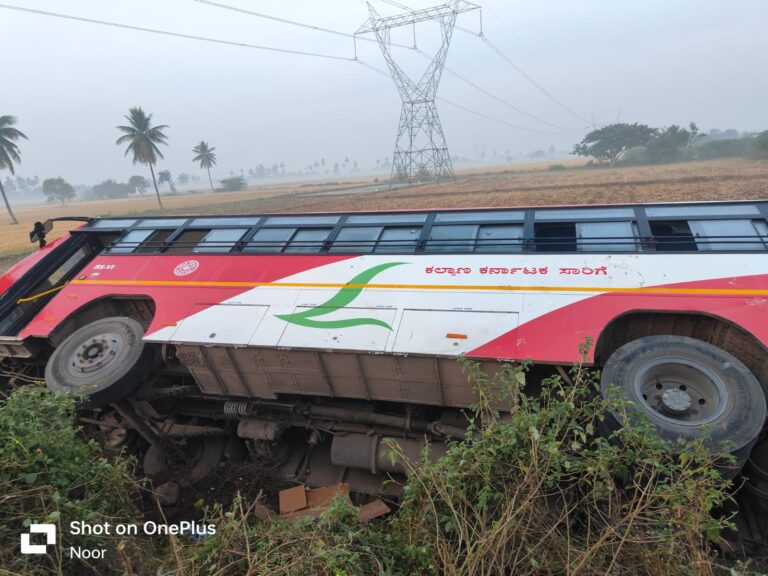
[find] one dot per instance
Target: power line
(291, 22)
(397, 5)
(538, 86)
(517, 68)
(501, 100)
(174, 34)
(515, 35)
(274, 18)
(258, 47)
(348, 35)
(492, 119)
(464, 108)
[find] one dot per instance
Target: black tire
(102, 361)
(690, 389)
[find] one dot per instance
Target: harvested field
(513, 185)
(724, 180)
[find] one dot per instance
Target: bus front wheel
(689, 389)
(102, 361)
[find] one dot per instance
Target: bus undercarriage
(172, 424)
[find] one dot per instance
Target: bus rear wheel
(689, 389)
(102, 361)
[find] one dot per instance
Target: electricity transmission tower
(420, 149)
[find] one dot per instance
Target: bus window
(706, 210)
(398, 240)
(356, 239)
(606, 236)
(452, 238)
(187, 241)
(555, 236)
(308, 240)
(500, 238)
(140, 242)
(728, 234)
(21, 311)
(117, 224)
(673, 236)
(313, 220)
(487, 216)
(399, 218)
(220, 241)
(560, 214)
(161, 223)
(73, 262)
(219, 221)
(269, 240)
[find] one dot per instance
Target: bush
(233, 184)
(732, 148)
(761, 145)
(634, 157)
(540, 492)
(49, 474)
(557, 168)
(670, 144)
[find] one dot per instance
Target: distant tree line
(612, 144)
(636, 144)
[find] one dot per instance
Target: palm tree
(142, 139)
(9, 153)
(206, 157)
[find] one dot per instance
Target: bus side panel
(164, 279)
(556, 336)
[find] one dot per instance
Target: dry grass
(512, 185)
(721, 180)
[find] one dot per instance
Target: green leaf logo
(339, 300)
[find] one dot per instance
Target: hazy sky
(653, 61)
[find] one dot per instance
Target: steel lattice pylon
(420, 149)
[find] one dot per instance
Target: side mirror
(39, 232)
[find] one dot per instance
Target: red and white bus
(326, 333)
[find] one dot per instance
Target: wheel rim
(96, 353)
(680, 391)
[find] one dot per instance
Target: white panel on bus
(366, 329)
(220, 324)
(450, 332)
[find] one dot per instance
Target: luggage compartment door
(450, 332)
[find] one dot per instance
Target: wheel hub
(676, 401)
(680, 390)
(97, 352)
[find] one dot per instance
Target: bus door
(22, 301)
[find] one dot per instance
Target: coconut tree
(9, 153)
(204, 154)
(142, 139)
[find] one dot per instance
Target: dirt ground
(512, 185)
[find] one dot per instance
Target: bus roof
(714, 207)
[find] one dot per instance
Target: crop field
(512, 185)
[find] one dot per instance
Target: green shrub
(557, 167)
(50, 474)
(335, 544)
(731, 148)
(233, 184)
(761, 145)
(634, 157)
(538, 491)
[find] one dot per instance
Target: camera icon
(50, 539)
